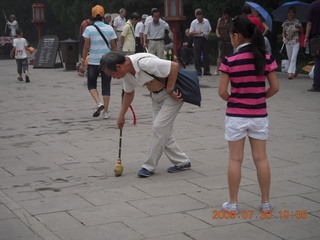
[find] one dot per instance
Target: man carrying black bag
(137, 70)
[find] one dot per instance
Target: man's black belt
(158, 39)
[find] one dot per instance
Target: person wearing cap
(96, 45)
(154, 34)
(107, 18)
(127, 41)
(200, 29)
(13, 25)
(118, 24)
(138, 33)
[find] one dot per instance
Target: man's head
(199, 14)
(107, 17)
(143, 18)
(97, 12)
(12, 17)
(155, 13)
(134, 18)
(122, 12)
(112, 64)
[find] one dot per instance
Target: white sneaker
(106, 115)
(230, 207)
(98, 109)
(266, 207)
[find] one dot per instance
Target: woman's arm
(266, 28)
(217, 28)
(273, 84)
(223, 86)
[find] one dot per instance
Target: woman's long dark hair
(242, 25)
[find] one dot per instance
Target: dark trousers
(139, 47)
(186, 54)
(201, 46)
(316, 79)
(93, 74)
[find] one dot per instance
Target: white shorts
(237, 128)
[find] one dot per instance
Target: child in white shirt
(20, 47)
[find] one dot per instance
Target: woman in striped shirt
(247, 70)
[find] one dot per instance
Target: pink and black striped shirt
(248, 90)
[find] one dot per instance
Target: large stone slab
(14, 229)
(110, 231)
(59, 221)
(106, 214)
(292, 228)
(166, 224)
(240, 231)
(55, 204)
(167, 204)
(165, 188)
(5, 213)
(114, 195)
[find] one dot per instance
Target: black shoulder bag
(187, 84)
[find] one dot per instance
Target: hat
(144, 16)
(97, 10)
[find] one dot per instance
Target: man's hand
(120, 122)
(176, 95)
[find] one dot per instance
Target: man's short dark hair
(135, 16)
(154, 10)
(246, 10)
(110, 60)
(198, 12)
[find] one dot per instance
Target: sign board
(46, 54)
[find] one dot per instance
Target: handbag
(302, 38)
(187, 84)
(315, 46)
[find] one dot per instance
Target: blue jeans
(316, 79)
(93, 74)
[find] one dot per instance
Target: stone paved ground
(56, 166)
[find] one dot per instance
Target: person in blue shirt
(97, 46)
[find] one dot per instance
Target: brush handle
(120, 143)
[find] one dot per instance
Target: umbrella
(281, 13)
(263, 13)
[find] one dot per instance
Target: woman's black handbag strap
(104, 38)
